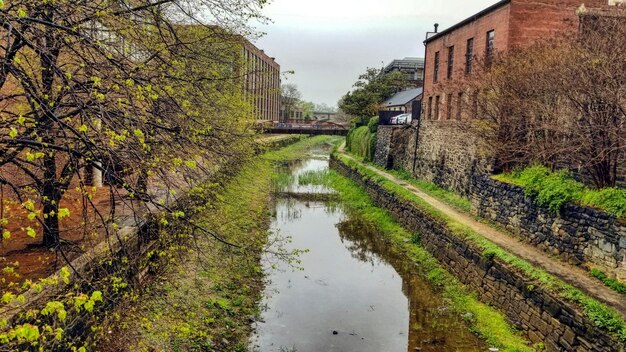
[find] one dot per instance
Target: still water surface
(352, 293)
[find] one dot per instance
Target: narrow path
(571, 274)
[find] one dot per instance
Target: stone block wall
(580, 235)
(541, 315)
(449, 155)
(392, 146)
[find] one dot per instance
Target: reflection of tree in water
(432, 326)
(289, 210)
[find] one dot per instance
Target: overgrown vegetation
(207, 300)
(555, 189)
(612, 283)
(362, 142)
(485, 321)
(559, 101)
(603, 316)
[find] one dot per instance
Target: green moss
(602, 316)
(486, 321)
(555, 189)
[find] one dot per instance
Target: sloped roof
(403, 98)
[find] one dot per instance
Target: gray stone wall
(542, 316)
(449, 155)
(392, 146)
(580, 235)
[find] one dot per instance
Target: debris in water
(335, 332)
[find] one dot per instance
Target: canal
(350, 291)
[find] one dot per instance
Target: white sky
(328, 43)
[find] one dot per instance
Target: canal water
(349, 292)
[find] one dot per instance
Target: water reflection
(353, 294)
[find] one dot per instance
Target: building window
(469, 56)
(430, 108)
(449, 107)
(436, 75)
(489, 47)
(450, 61)
(459, 105)
(437, 102)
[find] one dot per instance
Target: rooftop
(403, 98)
(406, 63)
(472, 18)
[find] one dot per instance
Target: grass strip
(612, 283)
(486, 321)
(601, 315)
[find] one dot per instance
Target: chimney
(436, 27)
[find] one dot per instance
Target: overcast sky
(328, 43)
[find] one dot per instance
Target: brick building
(453, 53)
(262, 82)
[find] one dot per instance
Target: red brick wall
(532, 20)
(497, 20)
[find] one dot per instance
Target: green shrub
(362, 142)
(372, 124)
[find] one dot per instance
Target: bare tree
(290, 99)
(560, 102)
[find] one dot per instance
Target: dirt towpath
(573, 275)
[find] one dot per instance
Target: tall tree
(113, 86)
(371, 90)
(291, 98)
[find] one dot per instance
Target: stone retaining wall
(542, 316)
(391, 147)
(580, 235)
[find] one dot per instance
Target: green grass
(602, 316)
(612, 283)
(299, 149)
(486, 321)
(314, 178)
(453, 199)
(555, 189)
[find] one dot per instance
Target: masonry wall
(533, 20)
(391, 146)
(579, 235)
(540, 315)
(449, 154)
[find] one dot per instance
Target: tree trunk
(51, 194)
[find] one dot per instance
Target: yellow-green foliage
(362, 142)
(205, 302)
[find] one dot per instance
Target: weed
(555, 189)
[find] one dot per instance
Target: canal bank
(351, 290)
(551, 313)
(208, 297)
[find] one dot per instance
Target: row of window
(454, 108)
(469, 56)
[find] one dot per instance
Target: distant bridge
(313, 129)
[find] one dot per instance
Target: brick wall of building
(534, 20)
